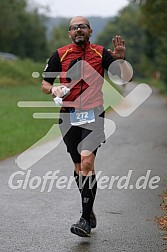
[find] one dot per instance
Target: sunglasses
(80, 26)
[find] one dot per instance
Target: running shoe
(81, 228)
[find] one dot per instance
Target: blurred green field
(18, 129)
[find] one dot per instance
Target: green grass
(18, 129)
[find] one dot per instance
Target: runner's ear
(69, 35)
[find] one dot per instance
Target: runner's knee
(87, 164)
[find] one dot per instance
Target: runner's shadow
(86, 244)
(82, 246)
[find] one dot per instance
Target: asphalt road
(31, 220)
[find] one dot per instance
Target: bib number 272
(80, 117)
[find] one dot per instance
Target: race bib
(79, 117)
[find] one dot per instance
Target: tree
(21, 32)
(9, 12)
(59, 36)
(154, 18)
(127, 24)
(143, 25)
(31, 40)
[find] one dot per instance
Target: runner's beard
(80, 39)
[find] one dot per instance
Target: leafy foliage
(126, 24)
(59, 36)
(154, 16)
(21, 32)
(143, 26)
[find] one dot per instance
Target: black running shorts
(85, 137)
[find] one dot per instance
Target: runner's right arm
(51, 71)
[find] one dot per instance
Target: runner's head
(79, 30)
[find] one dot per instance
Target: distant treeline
(142, 24)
